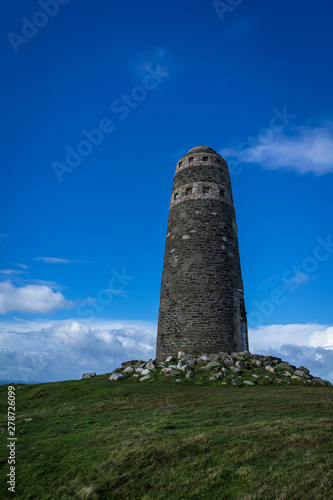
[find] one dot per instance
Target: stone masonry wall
(201, 285)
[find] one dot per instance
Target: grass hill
(163, 439)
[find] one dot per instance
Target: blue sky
(99, 100)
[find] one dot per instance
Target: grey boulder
(129, 369)
(150, 365)
(89, 375)
(116, 376)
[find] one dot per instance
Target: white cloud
(310, 345)
(298, 279)
(310, 335)
(153, 57)
(30, 281)
(301, 278)
(62, 350)
(23, 266)
(51, 284)
(30, 299)
(115, 291)
(306, 150)
(10, 272)
(55, 260)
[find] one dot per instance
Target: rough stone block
(89, 375)
(116, 376)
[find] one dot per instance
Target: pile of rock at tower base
(238, 369)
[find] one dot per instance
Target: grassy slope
(167, 440)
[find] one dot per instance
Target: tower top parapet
(201, 149)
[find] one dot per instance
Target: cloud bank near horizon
(63, 350)
(310, 345)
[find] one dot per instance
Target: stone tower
(202, 300)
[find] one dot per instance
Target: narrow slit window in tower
(205, 158)
(175, 196)
(221, 192)
(188, 191)
(190, 159)
(205, 189)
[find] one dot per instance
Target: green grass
(96, 439)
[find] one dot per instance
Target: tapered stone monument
(202, 305)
